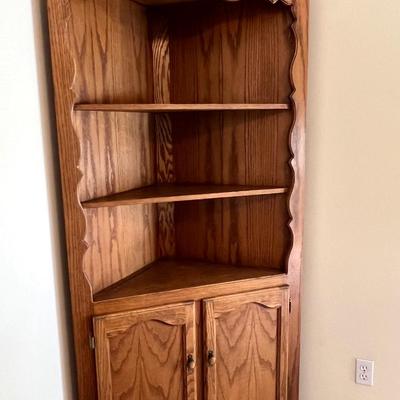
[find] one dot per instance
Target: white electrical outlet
(364, 372)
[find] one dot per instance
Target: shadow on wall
(43, 61)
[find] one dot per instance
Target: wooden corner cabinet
(181, 142)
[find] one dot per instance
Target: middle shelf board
(179, 107)
(166, 193)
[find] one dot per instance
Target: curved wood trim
(269, 306)
(175, 314)
(75, 222)
(299, 10)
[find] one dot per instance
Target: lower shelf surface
(170, 275)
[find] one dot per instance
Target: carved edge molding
(292, 158)
(60, 16)
(84, 246)
(69, 130)
(294, 137)
(298, 78)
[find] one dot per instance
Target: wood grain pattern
(228, 52)
(176, 193)
(249, 148)
(111, 51)
(145, 108)
(232, 148)
(165, 156)
(117, 153)
(247, 333)
(142, 354)
(243, 231)
(121, 240)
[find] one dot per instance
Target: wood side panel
(110, 46)
(92, 46)
(59, 14)
(244, 231)
(229, 52)
(143, 354)
(121, 240)
(247, 336)
(300, 9)
(117, 154)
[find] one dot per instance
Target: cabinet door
(147, 354)
(246, 345)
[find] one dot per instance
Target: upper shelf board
(178, 107)
(174, 193)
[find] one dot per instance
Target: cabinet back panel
(247, 148)
(117, 152)
(110, 46)
(228, 52)
(243, 231)
(121, 240)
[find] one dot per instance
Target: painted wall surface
(34, 334)
(351, 296)
(351, 284)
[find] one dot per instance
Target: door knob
(191, 363)
(211, 358)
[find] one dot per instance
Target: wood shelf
(167, 193)
(178, 107)
(175, 278)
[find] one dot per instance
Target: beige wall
(351, 284)
(34, 329)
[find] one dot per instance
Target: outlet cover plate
(365, 372)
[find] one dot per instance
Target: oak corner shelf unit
(181, 138)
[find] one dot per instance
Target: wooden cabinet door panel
(246, 345)
(142, 355)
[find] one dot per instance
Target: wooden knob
(191, 363)
(211, 358)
